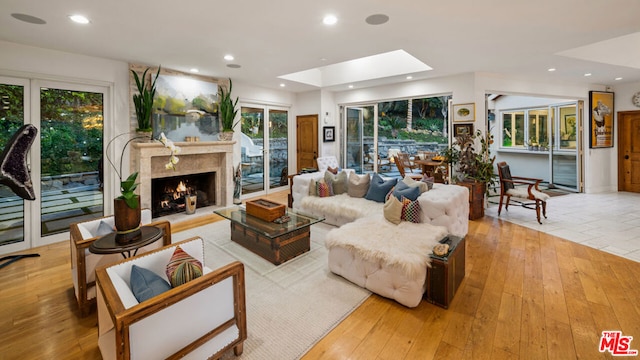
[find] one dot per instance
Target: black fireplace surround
(168, 195)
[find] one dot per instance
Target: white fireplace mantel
(149, 159)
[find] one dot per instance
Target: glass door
(65, 159)
(563, 152)
(360, 147)
(264, 148)
(14, 112)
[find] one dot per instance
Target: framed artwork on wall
(328, 133)
(462, 129)
(464, 112)
(600, 119)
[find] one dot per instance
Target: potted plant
(227, 112)
(475, 168)
(143, 101)
(126, 207)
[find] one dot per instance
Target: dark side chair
(532, 197)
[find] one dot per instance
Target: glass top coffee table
(274, 242)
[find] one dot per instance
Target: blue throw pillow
(407, 191)
(146, 284)
(379, 188)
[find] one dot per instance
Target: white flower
(173, 160)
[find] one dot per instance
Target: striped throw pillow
(182, 268)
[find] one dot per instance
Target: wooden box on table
(265, 209)
(446, 273)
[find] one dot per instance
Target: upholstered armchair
(84, 263)
(530, 194)
(200, 319)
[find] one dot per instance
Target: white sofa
(358, 250)
(200, 319)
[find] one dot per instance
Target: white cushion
(522, 192)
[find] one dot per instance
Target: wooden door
(629, 151)
(307, 141)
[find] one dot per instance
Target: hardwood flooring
(526, 295)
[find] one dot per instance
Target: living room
(56, 62)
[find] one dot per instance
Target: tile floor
(609, 222)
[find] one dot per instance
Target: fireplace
(211, 157)
(168, 194)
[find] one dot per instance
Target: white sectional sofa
(366, 249)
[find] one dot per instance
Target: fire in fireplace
(168, 195)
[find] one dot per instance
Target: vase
(225, 136)
(127, 221)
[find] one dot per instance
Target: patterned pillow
(182, 268)
(324, 189)
(338, 182)
(410, 210)
(146, 284)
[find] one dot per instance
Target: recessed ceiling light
(233, 66)
(330, 20)
(409, 77)
(194, 70)
(377, 19)
(80, 19)
(228, 57)
(551, 69)
(587, 74)
(618, 78)
(28, 19)
(282, 85)
(350, 86)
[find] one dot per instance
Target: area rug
(290, 307)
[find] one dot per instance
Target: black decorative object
(13, 163)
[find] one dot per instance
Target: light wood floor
(526, 295)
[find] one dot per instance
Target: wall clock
(636, 99)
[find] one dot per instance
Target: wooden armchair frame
(401, 163)
(123, 319)
(79, 246)
(508, 189)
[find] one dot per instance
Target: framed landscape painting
(464, 112)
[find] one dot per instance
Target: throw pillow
(428, 180)
(410, 210)
(414, 183)
(403, 190)
(358, 185)
(332, 170)
(146, 284)
(104, 229)
(338, 182)
(378, 188)
(312, 188)
(182, 268)
(392, 210)
(323, 188)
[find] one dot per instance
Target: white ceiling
(270, 39)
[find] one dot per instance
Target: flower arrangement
(129, 185)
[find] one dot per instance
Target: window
(516, 133)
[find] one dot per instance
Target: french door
(360, 145)
(564, 152)
(64, 159)
(264, 148)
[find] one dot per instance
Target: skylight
(392, 63)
